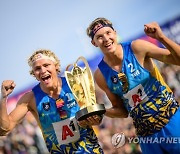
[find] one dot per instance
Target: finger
(10, 86)
(13, 84)
(153, 30)
(97, 118)
(146, 29)
(94, 120)
(82, 123)
(91, 120)
(145, 26)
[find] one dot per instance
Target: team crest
(114, 79)
(46, 106)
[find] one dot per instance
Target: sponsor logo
(114, 79)
(46, 106)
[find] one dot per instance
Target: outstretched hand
(91, 121)
(7, 87)
(153, 30)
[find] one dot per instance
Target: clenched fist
(153, 30)
(7, 87)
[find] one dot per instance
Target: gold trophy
(81, 83)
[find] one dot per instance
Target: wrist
(2, 97)
(162, 38)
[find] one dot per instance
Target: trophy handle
(88, 72)
(68, 66)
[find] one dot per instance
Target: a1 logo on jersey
(135, 96)
(67, 131)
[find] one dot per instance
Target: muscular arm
(117, 109)
(9, 121)
(144, 49)
(172, 52)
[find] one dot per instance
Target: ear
(94, 43)
(57, 67)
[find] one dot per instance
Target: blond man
(53, 105)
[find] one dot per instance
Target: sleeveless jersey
(148, 99)
(59, 127)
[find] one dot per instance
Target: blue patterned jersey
(148, 99)
(59, 127)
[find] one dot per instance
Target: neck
(53, 91)
(115, 58)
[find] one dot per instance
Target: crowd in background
(26, 138)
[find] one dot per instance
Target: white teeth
(107, 45)
(45, 77)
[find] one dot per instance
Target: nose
(43, 69)
(105, 38)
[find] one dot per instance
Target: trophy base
(97, 109)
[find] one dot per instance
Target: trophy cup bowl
(81, 83)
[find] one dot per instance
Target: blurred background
(60, 26)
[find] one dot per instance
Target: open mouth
(46, 78)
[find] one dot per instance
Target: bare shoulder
(97, 75)
(138, 45)
(142, 46)
(27, 99)
(100, 80)
(27, 96)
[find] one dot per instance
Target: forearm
(4, 118)
(173, 47)
(116, 113)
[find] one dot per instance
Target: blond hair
(47, 53)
